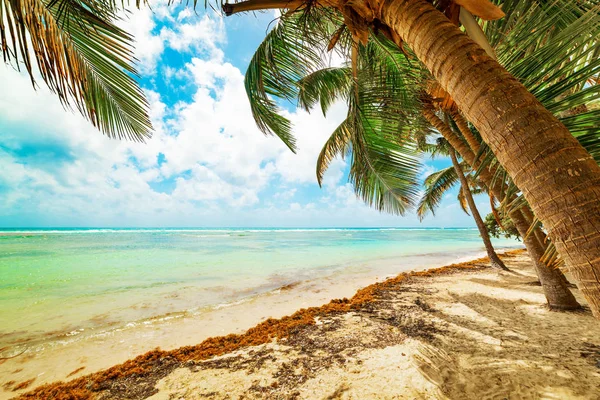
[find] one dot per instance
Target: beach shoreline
(70, 358)
(344, 304)
(461, 331)
(66, 285)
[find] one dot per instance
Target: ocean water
(58, 283)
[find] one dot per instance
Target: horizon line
(238, 227)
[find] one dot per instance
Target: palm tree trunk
(559, 179)
(463, 127)
(558, 295)
(524, 217)
(495, 261)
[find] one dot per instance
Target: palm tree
(553, 282)
(579, 125)
(83, 57)
(556, 174)
(439, 182)
(495, 261)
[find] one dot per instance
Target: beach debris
(76, 371)
(23, 385)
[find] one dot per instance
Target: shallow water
(61, 284)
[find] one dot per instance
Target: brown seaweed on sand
(136, 378)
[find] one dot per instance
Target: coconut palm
(556, 174)
(554, 284)
(441, 181)
(558, 47)
(495, 261)
(75, 47)
(552, 280)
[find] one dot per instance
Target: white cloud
(214, 167)
(189, 33)
(285, 195)
(148, 47)
(199, 34)
(426, 170)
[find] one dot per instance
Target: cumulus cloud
(148, 46)
(207, 163)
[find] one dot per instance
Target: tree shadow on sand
(498, 348)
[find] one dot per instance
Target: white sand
(497, 340)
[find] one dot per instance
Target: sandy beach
(307, 200)
(75, 305)
(463, 331)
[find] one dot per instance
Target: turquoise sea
(60, 282)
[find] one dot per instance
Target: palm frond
(338, 145)
(287, 55)
(557, 63)
(436, 185)
(383, 172)
(82, 56)
(551, 257)
(585, 127)
(324, 86)
(462, 200)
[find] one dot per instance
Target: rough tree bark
(559, 179)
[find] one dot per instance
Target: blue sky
(207, 164)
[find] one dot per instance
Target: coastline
(460, 331)
(65, 285)
(88, 354)
(304, 317)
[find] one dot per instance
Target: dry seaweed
(76, 371)
(23, 385)
(136, 378)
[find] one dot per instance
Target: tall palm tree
(495, 261)
(83, 57)
(556, 174)
(553, 282)
(439, 182)
(581, 125)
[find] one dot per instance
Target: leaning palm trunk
(559, 179)
(495, 261)
(535, 242)
(557, 293)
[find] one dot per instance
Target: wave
(226, 231)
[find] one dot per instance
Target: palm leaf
(436, 185)
(462, 200)
(283, 59)
(338, 145)
(324, 86)
(83, 58)
(383, 171)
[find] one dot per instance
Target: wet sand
(76, 354)
(464, 332)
